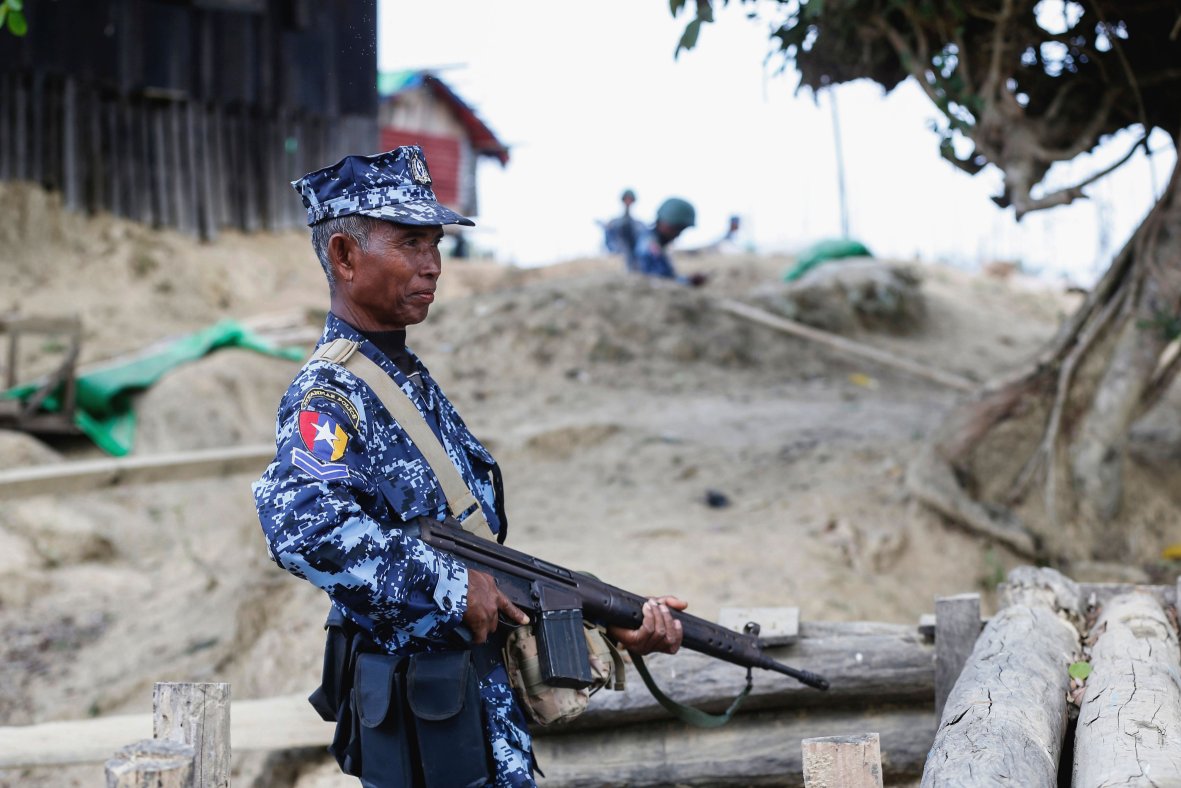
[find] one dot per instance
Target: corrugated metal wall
(193, 115)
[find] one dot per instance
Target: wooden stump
(843, 761)
(957, 625)
(1006, 715)
(152, 763)
(198, 715)
(1129, 725)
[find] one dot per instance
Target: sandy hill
(614, 404)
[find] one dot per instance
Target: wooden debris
(1129, 725)
(843, 761)
(152, 763)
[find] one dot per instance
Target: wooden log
(752, 749)
(198, 715)
(846, 346)
(890, 663)
(957, 625)
(152, 763)
(1129, 724)
(73, 477)
(1006, 715)
(843, 761)
(262, 725)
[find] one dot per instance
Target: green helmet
(676, 212)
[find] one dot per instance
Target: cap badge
(418, 171)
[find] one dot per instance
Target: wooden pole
(957, 625)
(1005, 718)
(198, 715)
(152, 763)
(843, 761)
(846, 346)
(1129, 725)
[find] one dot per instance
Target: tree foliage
(12, 17)
(1022, 84)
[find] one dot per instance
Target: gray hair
(354, 226)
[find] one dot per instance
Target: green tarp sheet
(104, 411)
(822, 251)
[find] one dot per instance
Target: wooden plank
(957, 625)
(74, 477)
(196, 714)
(181, 209)
(36, 164)
(865, 662)
(269, 724)
(1129, 724)
(843, 761)
(191, 171)
(204, 164)
(71, 177)
(152, 764)
(1006, 715)
(160, 166)
(846, 346)
(778, 626)
(21, 128)
(752, 749)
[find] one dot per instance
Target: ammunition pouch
(402, 720)
(545, 703)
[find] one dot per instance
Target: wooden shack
(420, 108)
(192, 114)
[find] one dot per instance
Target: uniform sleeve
(651, 258)
(315, 503)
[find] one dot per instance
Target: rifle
(558, 600)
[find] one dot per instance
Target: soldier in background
(651, 255)
(620, 233)
(338, 503)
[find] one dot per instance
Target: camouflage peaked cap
(394, 186)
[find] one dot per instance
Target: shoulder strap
(343, 352)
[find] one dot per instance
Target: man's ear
(341, 252)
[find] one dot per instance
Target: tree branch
(1069, 194)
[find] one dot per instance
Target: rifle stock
(554, 595)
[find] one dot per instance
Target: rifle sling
(688, 714)
(343, 352)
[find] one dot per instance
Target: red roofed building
(416, 107)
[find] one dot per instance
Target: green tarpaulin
(104, 411)
(822, 251)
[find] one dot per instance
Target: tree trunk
(1081, 396)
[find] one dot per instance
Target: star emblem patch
(324, 438)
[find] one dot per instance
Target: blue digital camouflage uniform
(344, 478)
(651, 257)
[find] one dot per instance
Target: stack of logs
(1016, 716)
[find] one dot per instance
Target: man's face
(394, 277)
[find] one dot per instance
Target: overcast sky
(590, 100)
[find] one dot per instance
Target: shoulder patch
(335, 397)
(324, 471)
(322, 435)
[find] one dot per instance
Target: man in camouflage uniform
(651, 257)
(347, 479)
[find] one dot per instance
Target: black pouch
(443, 691)
(381, 730)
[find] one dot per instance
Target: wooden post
(1129, 730)
(1006, 715)
(199, 715)
(71, 180)
(843, 761)
(152, 763)
(957, 625)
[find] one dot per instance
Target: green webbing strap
(689, 714)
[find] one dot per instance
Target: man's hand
(659, 631)
(485, 602)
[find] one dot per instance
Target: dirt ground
(617, 407)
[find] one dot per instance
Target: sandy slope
(613, 404)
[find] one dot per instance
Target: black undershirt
(393, 345)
